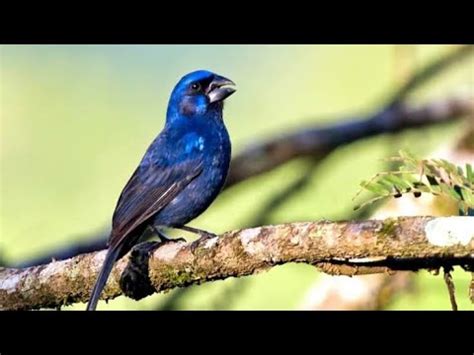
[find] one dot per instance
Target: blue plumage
(181, 173)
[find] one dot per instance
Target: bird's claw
(179, 240)
(165, 240)
(204, 236)
(144, 249)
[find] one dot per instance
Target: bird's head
(197, 94)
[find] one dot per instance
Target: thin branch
(448, 279)
(429, 72)
(318, 142)
(350, 248)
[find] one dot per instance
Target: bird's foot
(145, 249)
(174, 240)
(202, 233)
(203, 237)
(165, 239)
(134, 281)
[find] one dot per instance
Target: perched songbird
(181, 173)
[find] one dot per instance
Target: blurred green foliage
(438, 177)
(75, 121)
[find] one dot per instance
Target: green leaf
(469, 173)
(372, 200)
(451, 192)
(398, 182)
(406, 155)
(434, 176)
(376, 188)
(468, 196)
(431, 170)
(449, 167)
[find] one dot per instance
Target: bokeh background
(76, 120)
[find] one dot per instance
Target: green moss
(388, 227)
(176, 277)
(169, 276)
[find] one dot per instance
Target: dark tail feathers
(109, 262)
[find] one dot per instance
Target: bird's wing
(149, 190)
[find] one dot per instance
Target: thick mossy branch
(351, 248)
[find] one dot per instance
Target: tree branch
(448, 279)
(348, 248)
(429, 72)
(394, 116)
(318, 142)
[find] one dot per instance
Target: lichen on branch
(354, 247)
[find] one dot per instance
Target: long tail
(109, 262)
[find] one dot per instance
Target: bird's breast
(215, 151)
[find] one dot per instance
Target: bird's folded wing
(147, 192)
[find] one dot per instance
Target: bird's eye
(195, 86)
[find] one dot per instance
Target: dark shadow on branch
(96, 243)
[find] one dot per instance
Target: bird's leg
(164, 238)
(203, 235)
(147, 235)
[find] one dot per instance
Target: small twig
(318, 141)
(429, 72)
(471, 288)
(391, 116)
(448, 279)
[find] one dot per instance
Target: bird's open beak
(218, 91)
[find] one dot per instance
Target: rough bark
(341, 248)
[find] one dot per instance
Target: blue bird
(181, 173)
